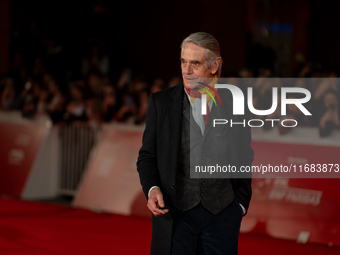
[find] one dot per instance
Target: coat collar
(175, 111)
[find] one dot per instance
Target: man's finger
(159, 212)
(154, 209)
(160, 200)
(154, 213)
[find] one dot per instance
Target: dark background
(146, 35)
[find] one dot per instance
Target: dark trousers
(198, 231)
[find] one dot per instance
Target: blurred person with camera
(76, 108)
(330, 118)
(109, 103)
(8, 95)
(56, 100)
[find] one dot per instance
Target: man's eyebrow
(191, 61)
(195, 62)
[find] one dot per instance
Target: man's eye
(197, 64)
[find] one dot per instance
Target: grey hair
(211, 45)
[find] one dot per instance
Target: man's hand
(155, 201)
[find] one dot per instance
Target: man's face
(194, 65)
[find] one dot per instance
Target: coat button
(172, 185)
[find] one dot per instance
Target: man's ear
(215, 66)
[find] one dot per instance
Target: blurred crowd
(323, 105)
(94, 98)
(41, 81)
(98, 99)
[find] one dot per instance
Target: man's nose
(188, 69)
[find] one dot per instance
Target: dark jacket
(158, 158)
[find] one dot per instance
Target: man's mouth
(190, 78)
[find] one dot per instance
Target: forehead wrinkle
(187, 58)
(191, 50)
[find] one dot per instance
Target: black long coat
(157, 161)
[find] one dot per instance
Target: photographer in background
(330, 118)
(7, 94)
(109, 103)
(27, 100)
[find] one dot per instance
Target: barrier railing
(76, 141)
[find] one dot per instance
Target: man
(194, 215)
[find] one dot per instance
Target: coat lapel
(187, 112)
(224, 112)
(216, 113)
(231, 132)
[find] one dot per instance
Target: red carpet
(36, 228)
